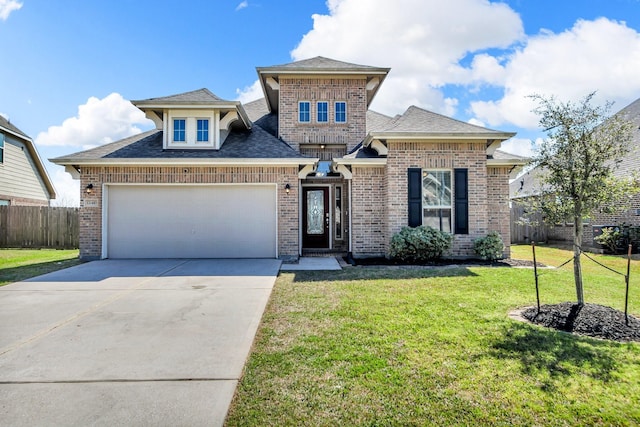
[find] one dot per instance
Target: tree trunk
(577, 267)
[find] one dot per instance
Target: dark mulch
(447, 262)
(591, 320)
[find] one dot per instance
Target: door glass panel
(338, 213)
(315, 212)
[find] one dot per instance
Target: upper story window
(179, 130)
(1, 148)
(323, 112)
(202, 131)
(304, 112)
(341, 112)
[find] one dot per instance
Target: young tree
(585, 146)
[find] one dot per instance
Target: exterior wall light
(322, 146)
(287, 188)
(89, 189)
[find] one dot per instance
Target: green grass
(389, 346)
(21, 264)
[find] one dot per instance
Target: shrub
(489, 247)
(617, 239)
(419, 244)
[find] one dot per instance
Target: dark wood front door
(315, 217)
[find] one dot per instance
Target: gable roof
(7, 127)
(197, 99)
(194, 97)
(529, 183)
(420, 123)
(241, 146)
(318, 66)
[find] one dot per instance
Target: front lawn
(21, 264)
(407, 346)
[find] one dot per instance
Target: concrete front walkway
(129, 342)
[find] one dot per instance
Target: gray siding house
(23, 178)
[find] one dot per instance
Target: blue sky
(70, 66)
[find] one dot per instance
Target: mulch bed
(591, 320)
(447, 262)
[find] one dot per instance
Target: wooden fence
(39, 227)
(525, 233)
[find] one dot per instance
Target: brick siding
(91, 204)
(350, 90)
(368, 212)
(450, 155)
(21, 201)
(498, 204)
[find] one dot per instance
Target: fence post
(535, 273)
(626, 294)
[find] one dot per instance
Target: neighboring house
(306, 169)
(23, 178)
(528, 185)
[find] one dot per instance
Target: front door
(315, 217)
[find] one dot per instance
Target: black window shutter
(415, 197)
(461, 201)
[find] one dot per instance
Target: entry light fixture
(322, 146)
(287, 188)
(89, 189)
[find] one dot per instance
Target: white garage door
(191, 221)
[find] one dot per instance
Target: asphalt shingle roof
(203, 95)
(8, 125)
(418, 120)
(322, 63)
(255, 143)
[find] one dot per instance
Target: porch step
(323, 253)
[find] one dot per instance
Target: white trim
(341, 238)
(105, 204)
(318, 112)
(187, 162)
(310, 114)
(417, 136)
(335, 112)
(363, 162)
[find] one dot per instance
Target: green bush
(490, 247)
(617, 239)
(419, 244)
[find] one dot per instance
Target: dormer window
(179, 130)
(323, 112)
(192, 129)
(202, 132)
(304, 112)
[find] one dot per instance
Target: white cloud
(5, 115)
(476, 122)
(98, 122)
(8, 6)
(67, 189)
(242, 5)
(600, 55)
(250, 93)
(521, 146)
(422, 40)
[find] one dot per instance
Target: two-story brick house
(308, 168)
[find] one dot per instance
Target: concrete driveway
(129, 342)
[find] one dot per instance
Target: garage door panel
(191, 221)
